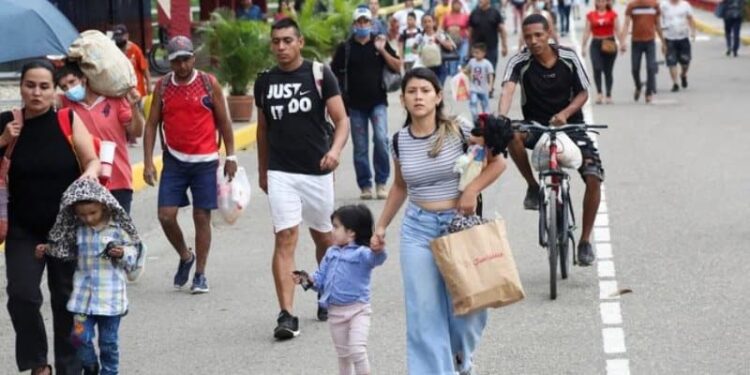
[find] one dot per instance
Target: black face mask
(121, 43)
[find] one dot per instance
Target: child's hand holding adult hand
(40, 250)
(116, 252)
(377, 241)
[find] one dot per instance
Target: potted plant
(323, 31)
(239, 50)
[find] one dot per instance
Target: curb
(715, 31)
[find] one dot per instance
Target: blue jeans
(434, 336)
(637, 50)
(732, 28)
(360, 120)
(475, 100)
(83, 335)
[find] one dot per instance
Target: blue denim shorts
(178, 176)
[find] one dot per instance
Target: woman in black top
(43, 165)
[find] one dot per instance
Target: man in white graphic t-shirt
(679, 30)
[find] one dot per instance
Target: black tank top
(42, 166)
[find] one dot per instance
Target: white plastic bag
(233, 196)
(108, 70)
(568, 153)
(460, 87)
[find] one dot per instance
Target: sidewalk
(707, 23)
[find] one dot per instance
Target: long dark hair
(446, 126)
(358, 219)
(36, 64)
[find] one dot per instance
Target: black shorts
(592, 163)
(678, 51)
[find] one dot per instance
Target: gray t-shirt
(479, 75)
(430, 179)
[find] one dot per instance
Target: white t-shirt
(479, 75)
(403, 14)
(675, 19)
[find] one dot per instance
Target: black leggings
(602, 62)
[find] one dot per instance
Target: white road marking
(601, 234)
(618, 367)
(602, 220)
(608, 289)
(613, 335)
(614, 340)
(603, 250)
(702, 38)
(610, 313)
(606, 269)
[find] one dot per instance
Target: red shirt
(457, 19)
(135, 55)
(106, 119)
(189, 126)
(602, 24)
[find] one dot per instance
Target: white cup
(107, 158)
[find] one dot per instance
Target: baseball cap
(179, 46)
(362, 12)
(118, 32)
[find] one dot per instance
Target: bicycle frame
(558, 187)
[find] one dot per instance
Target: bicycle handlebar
(535, 126)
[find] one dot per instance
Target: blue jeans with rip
(435, 338)
(360, 121)
(83, 337)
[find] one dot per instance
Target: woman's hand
(40, 250)
(89, 174)
(13, 128)
(377, 241)
(467, 203)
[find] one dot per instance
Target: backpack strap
(318, 77)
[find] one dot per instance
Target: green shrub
(239, 50)
(325, 30)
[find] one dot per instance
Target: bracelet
(231, 158)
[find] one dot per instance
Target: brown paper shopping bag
(478, 267)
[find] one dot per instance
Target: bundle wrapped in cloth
(108, 70)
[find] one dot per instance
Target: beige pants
(350, 326)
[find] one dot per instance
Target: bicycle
(158, 57)
(556, 216)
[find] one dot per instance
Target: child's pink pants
(350, 326)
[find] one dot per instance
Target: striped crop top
(430, 179)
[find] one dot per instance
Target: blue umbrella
(33, 28)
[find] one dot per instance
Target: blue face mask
(362, 32)
(76, 93)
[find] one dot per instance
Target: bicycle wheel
(158, 59)
(552, 241)
(565, 235)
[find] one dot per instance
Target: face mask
(361, 32)
(76, 93)
(540, 5)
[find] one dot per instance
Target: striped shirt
(547, 91)
(430, 179)
(99, 283)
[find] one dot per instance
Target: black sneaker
(288, 326)
(684, 81)
(183, 271)
(675, 88)
(322, 312)
(586, 256)
(531, 202)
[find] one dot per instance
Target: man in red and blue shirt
(190, 106)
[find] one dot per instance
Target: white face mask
(540, 5)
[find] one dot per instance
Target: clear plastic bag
(460, 87)
(233, 197)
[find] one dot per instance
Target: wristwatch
(231, 158)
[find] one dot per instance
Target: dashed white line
(613, 335)
(611, 314)
(618, 367)
(614, 340)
